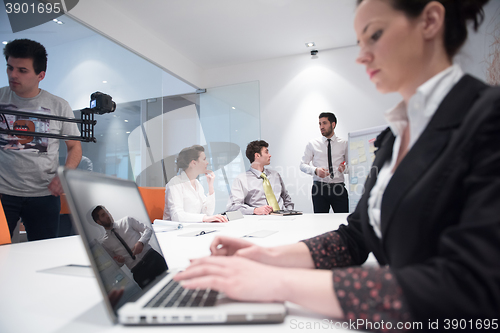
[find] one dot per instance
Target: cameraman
(29, 187)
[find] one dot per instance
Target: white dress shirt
(247, 192)
(422, 106)
(184, 203)
(317, 152)
(132, 231)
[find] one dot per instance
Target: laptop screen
(118, 236)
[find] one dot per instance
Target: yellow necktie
(268, 190)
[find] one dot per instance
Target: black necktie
(123, 243)
(330, 166)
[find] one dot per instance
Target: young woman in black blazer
(431, 208)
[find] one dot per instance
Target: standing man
(127, 242)
(328, 155)
(259, 191)
(29, 187)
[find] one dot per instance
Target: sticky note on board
(352, 188)
(373, 158)
(372, 149)
(361, 144)
(354, 161)
(354, 145)
(361, 151)
(362, 159)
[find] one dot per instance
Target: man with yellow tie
(259, 191)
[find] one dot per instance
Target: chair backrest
(64, 205)
(4, 228)
(154, 200)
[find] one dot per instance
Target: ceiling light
(310, 44)
(126, 120)
(5, 42)
(233, 108)
(128, 132)
(104, 81)
(57, 21)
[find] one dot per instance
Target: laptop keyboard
(174, 295)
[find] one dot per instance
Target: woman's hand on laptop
(293, 255)
(239, 278)
(246, 280)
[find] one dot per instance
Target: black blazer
(440, 217)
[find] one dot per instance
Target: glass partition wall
(157, 114)
(222, 119)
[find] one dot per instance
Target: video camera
(101, 103)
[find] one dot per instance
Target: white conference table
(35, 301)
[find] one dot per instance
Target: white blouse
(422, 107)
(184, 203)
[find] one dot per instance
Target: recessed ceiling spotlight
(57, 21)
(126, 120)
(310, 44)
(233, 108)
(5, 42)
(104, 81)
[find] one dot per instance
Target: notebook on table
(137, 287)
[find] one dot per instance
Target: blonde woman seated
(185, 200)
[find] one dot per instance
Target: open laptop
(146, 295)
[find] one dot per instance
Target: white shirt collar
(257, 173)
(113, 226)
(333, 138)
(423, 104)
(184, 177)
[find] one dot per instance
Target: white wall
(482, 49)
(77, 69)
(106, 19)
(294, 91)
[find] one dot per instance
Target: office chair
(4, 228)
(154, 200)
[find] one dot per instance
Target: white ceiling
(48, 34)
(216, 33)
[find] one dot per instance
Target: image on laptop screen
(118, 233)
(130, 267)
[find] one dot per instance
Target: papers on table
(163, 225)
